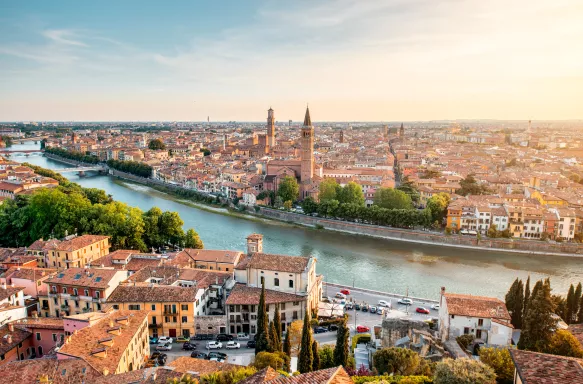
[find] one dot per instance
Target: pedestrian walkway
(361, 356)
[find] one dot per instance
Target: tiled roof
(79, 242)
(171, 274)
(199, 367)
(27, 273)
(18, 336)
(153, 294)
(84, 277)
(335, 375)
(262, 376)
(283, 263)
(41, 245)
(154, 375)
(5, 293)
(58, 371)
(242, 294)
(536, 368)
(40, 323)
(85, 340)
(476, 306)
(213, 255)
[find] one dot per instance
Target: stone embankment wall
(511, 245)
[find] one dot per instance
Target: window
(453, 316)
(134, 307)
(282, 306)
(75, 293)
(296, 303)
(276, 282)
(184, 319)
(262, 279)
(54, 337)
(64, 289)
(291, 283)
(480, 322)
(252, 331)
(97, 294)
(184, 307)
(38, 336)
(115, 306)
(153, 307)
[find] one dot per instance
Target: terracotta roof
(84, 277)
(283, 263)
(153, 294)
(335, 375)
(199, 367)
(262, 376)
(31, 323)
(242, 294)
(27, 273)
(476, 306)
(170, 274)
(154, 375)
(41, 244)
(79, 242)
(18, 336)
(535, 368)
(58, 371)
(5, 293)
(212, 255)
(84, 342)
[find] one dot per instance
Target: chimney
(441, 296)
(11, 327)
(9, 339)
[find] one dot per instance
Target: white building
(485, 317)
(12, 305)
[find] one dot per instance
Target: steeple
(307, 119)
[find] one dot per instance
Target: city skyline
(351, 60)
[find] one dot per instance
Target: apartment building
(76, 251)
(210, 259)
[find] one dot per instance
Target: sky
(351, 60)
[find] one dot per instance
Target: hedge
(392, 379)
(363, 338)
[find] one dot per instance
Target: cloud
(63, 36)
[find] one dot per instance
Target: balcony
(169, 313)
(64, 307)
(52, 294)
(72, 260)
(65, 296)
(98, 300)
(85, 298)
(154, 326)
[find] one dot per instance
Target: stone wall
(211, 325)
(398, 328)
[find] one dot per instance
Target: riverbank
(528, 247)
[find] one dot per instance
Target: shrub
(465, 340)
(359, 339)
(392, 379)
(319, 226)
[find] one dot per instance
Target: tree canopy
(391, 198)
(156, 144)
(288, 189)
(470, 186)
(438, 205)
(463, 371)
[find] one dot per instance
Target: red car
(422, 310)
(362, 329)
(345, 292)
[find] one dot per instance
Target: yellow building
(548, 200)
(76, 251)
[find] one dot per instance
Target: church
(307, 173)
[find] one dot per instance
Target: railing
(65, 296)
(169, 313)
(98, 300)
(86, 298)
(154, 325)
(65, 307)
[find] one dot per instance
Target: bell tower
(307, 142)
(270, 143)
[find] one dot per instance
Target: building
(77, 251)
(14, 344)
(79, 290)
(128, 260)
(12, 304)
(270, 142)
(211, 259)
(33, 280)
(535, 368)
(49, 371)
(47, 334)
(485, 317)
(115, 344)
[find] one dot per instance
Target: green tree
(430, 174)
(326, 356)
(392, 199)
(526, 296)
(262, 335)
(288, 205)
(305, 358)
(493, 231)
(232, 376)
(563, 343)
(538, 324)
(328, 208)
(277, 324)
(278, 203)
(184, 379)
(309, 205)
(571, 305)
(315, 356)
(287, 350)
(515, 302)
(327, 189)
(273, 339)
(351, 193)
(288, 189)
(577, 299)
(438, 204)
(341, 350)
(470, 186)
(463, 371)
(156, 144)
(274, 360)
(192, 240)
(500, 361)
(408, 187)
(397, 361)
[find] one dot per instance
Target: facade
(47, 334)
(12, 304)
(77, 251)
(14, 344)
(33, 280)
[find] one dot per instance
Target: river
(366, 262)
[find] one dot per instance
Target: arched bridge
(84, 168)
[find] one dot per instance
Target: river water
(348, 259)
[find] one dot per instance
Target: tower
(402, 131)
(307, 142)
(386, 130)
(254, 243)
(270, 143)
(74, 138)
(341, 137)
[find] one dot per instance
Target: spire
(307, 119)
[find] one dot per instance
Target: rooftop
(476, 306)
(57, 371)
(85, 277)
(242, 294)
(535, 368)
(282, 263)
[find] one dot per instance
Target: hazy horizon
(351, 60)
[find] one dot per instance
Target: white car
(383, 303)
(242, 336)
(435, 306)
(341, 295)
(165, 339)
(164, 347)
(405, 301)
(214, 345)
(233, 345)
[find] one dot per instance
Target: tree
(571, 305)
(430, 174)
(294, 335)
(315, 356)
(563, 343)
(515, 302)
(287, 350)
(470, 186)
(392, 199)
(327, 189)
(326, 356)
(341, 350)
(580, 313)
(577, 299)
(305, 358)
(438, 204)
(184, 379)
(408, 187)
(273, 339)
(328, 208)
(493, 231)
(278, 203)
(500, 361)
(397, 361)
(156, 144)
(463, 371)
(526, 296)
(288, 189)
(262, 336)
(277, 323)
(351, 193)
(269, 359)
(228, 376)
(309, 205)
(192, 240)
(538, 323)
(288, 205)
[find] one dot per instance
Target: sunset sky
(365, 60)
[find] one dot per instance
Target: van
(340, 295)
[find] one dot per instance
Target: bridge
(83, 168)
(21, 151)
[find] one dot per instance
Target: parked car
(332, 327)
(224, 337)
(181, 339)
(340, 295)
(153, 340)
(164, 347)
(380, 311)
(373, 309)
(320, 330)
(349, 306)
(357, 307)
(405, 301)
(188, 347)
(345, 291)
(165, 339)
(364, 308)
(217, 359)
(233, 345)
(435, 307)
(198, 355)
(383, 303)
(251, 344)
(362, 329)
(159, 358)
(219, 355)
(242, 336)
(422, 310)
(214, 345)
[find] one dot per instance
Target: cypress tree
(277, 322)
(316, 356)
(305, 359)
(262, 335)
(515, 302)
(341, 350)
(577, 299)
(526, 296)
(274, 341)
(538, 323)
(570, 305)
(580, 314)
(287, 351)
